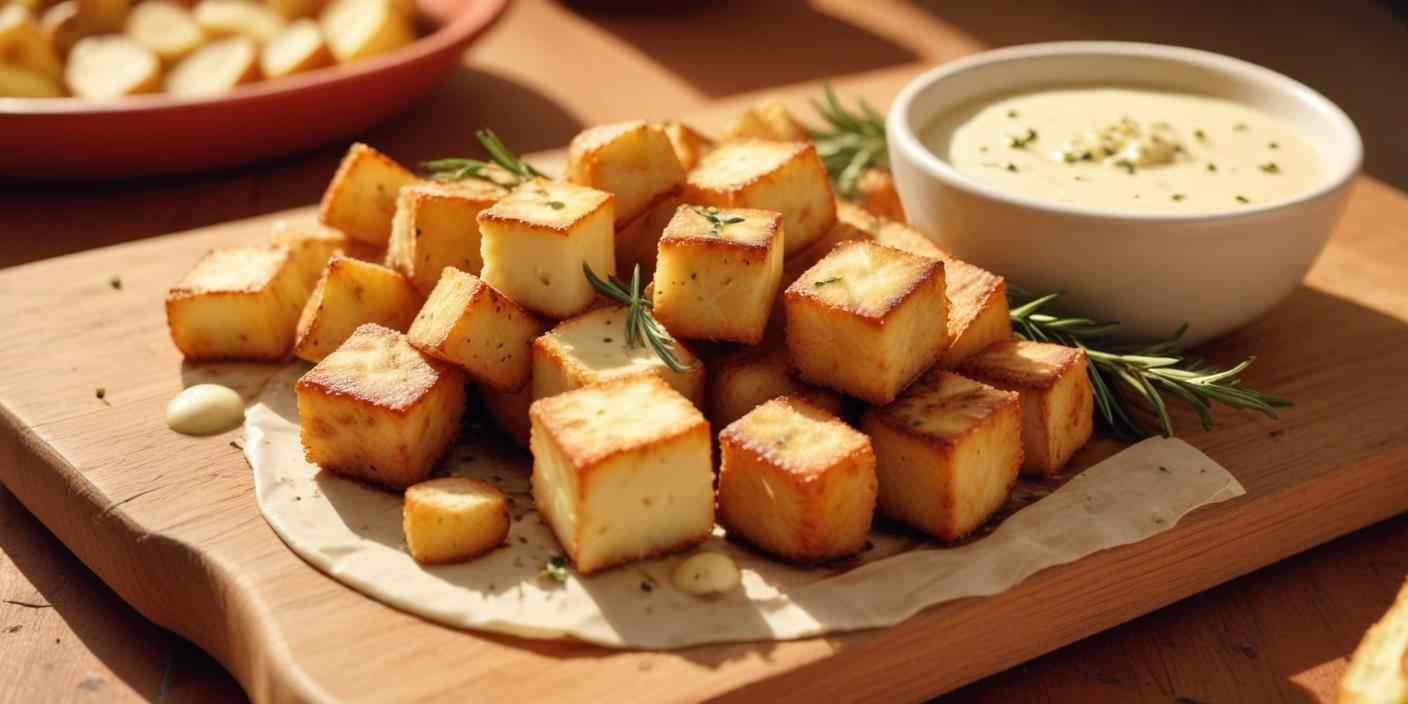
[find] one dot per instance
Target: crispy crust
(186, 288)
(689, 144)
(692, 189)
(989, 366)
(680, 231)
(478, 289)
(491, 215)
(321, 381)
(995, 401)
(803, 290)
(735, 436)
(586, 457)
(355, 153)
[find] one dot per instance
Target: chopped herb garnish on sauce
(1273, 145)
(1012, 114)
(824, 282)
(1201, 135)
(1178, 197)
(1240, 127)
(1212, 167)
(1022, 141)
(1242, 199)
(1270, 167)
(1127, 165)
(1011, 167)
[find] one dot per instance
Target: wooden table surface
(1280, 634)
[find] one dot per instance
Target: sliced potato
(111, 66)
(298, 49)
(63, 26)
(23, 83)
(215, 68)
(104, 16)
(295, 9)
(166, 28)
(356, 29)
(23, 44)
(228, 18)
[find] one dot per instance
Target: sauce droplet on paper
(205, 409)
(707, 573)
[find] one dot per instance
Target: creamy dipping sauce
(205, 409)
(707, 573)
(1127, 149)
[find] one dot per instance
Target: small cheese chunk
(751, 376)
(217, 67)
(690, 145)
(453, 519)
(796, 482)
(111, 66)
(435, 227)
(299, 48)
(361, 200)
(237, 304)
(24, 45)
(637, 244)
(379, 410)
(718, 272)
(537, 238)
(767, 119)
(467, 322)
(238, 18)
(356, 29)
(632, 160)
(879, 195)
(867, 320)
(351, 293)
(622, 471)
(166, 28)
(1058, 407)
(312, 247)
(947, 453)
(787, 177)
(591, 348)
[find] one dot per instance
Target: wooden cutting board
(170, 522)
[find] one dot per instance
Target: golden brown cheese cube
(796, 482)
(767, 119)
(622, 471)
(1058, 408)
(947, 454)
(378, 409)
(787, 177)
(351, 293)
(237, 303)
(749, 377)
(638, 242)
(312, 247)
(718, 272)
(453, 519)
(690, 144)
(24, 45)
(977, 311)
(632, 160)
(867, 320)
(361, 200)
(879, 195)
(888, 232)
(467, 322)
(536, 239)
(591, 348)
(435, 227)
(509, 411)
(1378, 671)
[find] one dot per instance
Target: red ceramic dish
(68, 139)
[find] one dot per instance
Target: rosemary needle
(517, 169)
(641, 327)
(850, 143)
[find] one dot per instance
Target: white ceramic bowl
(1152, 273)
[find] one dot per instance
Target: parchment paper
(352, 532)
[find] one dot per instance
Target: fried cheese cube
(637, 244)
(435, 227)
(787, 177)
(796, 482)
(690, 144)
(239, 303)
(591, 348)
(312, 248)
(718, 272)
(749, 377)
(622, 471)
(356, 29)
(1058, 407)
(536, 239)
(350, 293)
(879, 195)
(1378, 671)
(378, 409)
(947, 454)
(977, 311)
(767, 119)
(467, 322)
(453, 519)
(867, 320)
(632, 160)
(361, 199)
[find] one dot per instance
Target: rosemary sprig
(1141, 371)
(641, 327)
(717, 219)
(517, 169)
(850, 143)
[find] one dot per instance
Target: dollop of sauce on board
(1127, 149)
(205, 409)
(707, 573)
